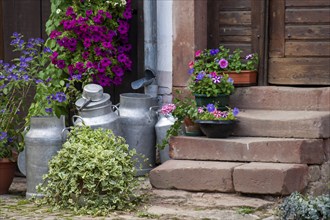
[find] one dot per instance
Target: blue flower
(191, 71)
(25, 77)
(200, 76)
(49, 110)
(235, 111)
(214, 52)
(39, 81)
(3, 135)
(210, 108)
(47, 50)
(59, 96)
(230, 80)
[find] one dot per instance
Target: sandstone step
(194, 175)
(284, 124)
(281, 98)
(270, 178)
(248, 149)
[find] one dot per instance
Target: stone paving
(161, 204)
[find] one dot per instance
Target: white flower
(123, 2)
(108, 2)
(58, 11)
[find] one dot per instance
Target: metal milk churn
(164, 123)
(42, 142)
(138, 119)
(95, 110)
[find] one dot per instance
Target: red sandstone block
(283, 124)
(270, 178)
(248, 149)
(194, 175)
(281, 98)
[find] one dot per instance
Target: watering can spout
(149, 77)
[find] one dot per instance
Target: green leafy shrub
(92, 174)
(299, 207)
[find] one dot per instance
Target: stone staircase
(281, 145)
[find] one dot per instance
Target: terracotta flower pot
(7, 173)
(191, 128)
(243, 78)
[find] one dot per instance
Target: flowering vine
(91, 41)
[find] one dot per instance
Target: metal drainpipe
(150, 42)
(164, 50)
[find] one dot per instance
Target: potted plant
(184, 111)
(16, 81)
(242, 70)
(207, 83)
(215, 123)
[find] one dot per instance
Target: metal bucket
(161, 128)
(42, 142)
(95, 110)
(138, 120)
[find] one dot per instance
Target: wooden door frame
(259, 26)
(2, 55)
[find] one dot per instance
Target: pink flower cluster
(167, 109)
(90, 48)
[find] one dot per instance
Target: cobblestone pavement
(162, 204)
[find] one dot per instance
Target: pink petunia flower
(223, 63)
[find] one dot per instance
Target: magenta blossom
(223, 63)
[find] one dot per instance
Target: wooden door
(239, 24)
(299, 47)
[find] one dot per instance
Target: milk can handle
(77, 116)
(116, 108)
(63, 135)
(150, 110)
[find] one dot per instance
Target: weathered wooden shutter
(299, 52)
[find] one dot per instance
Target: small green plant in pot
(184, 111)
(216, 123)
(92, 174)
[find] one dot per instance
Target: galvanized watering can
(138, 119)
(96, 110)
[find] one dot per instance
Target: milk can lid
(92, 97)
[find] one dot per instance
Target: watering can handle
(77, 116)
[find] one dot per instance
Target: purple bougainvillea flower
(223, 63)
(61, 64)
(89, 13)
(117, 70)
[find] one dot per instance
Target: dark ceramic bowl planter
(217, 128)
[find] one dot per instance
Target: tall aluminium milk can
(96, 110)
(42, 142)
(138, 119)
